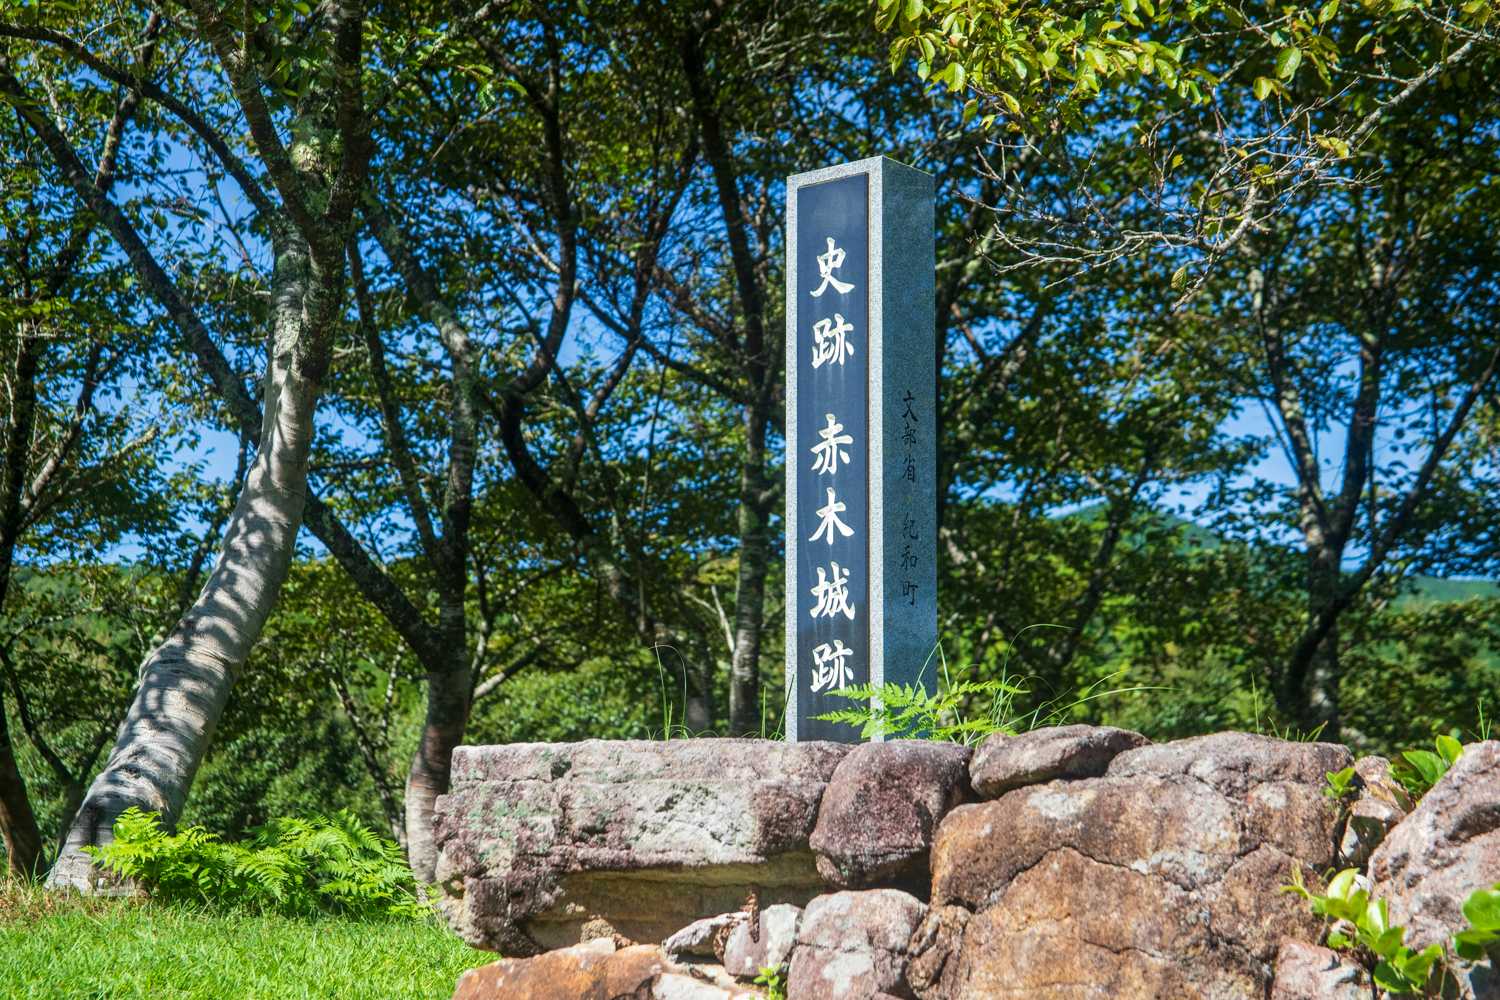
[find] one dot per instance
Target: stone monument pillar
(861, 497)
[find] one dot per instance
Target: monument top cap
(838, 170)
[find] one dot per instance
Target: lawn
(99, 949)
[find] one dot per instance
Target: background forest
(1188, 482)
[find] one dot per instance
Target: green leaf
(1449, 749)
(1336, 783)
(1482, 909)
(1375, 921)
(1417, 967)
(1330, 9)
(1179, 278)
(1428, 764)
(1288, 61)
(1474, 944)
(1342, 884)
(1387, 978)
(912, 10)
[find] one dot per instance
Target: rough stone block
(1234, 763)
(1445, 849)
(881, 807)
(593, 971)
(745, 956)
(1006, 762)
(853, 945)
(1159, 879)
(544, 845)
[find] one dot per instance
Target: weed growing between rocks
(772, 979)
(1419, 770)
(1359, 925)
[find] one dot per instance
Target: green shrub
(296, 866)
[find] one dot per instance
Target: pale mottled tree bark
(185, 682)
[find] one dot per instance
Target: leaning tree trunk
(186, 681)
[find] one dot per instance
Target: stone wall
(1073, 862)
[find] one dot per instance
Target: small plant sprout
(1485, 725)
(772, 980)
(1338, 785)
(668, 727)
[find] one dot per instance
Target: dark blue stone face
(832, 358)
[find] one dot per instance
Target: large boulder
(1159, 879)
(1445, 849)
(881, 807)
(853, 946)
(546, 845)
(1006, 762)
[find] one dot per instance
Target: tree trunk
(23, 840)
(1318, 704)
(750, 593)
(442, 730)
(186, 681)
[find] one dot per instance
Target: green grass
(100, 949)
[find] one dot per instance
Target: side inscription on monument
(861, 474)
